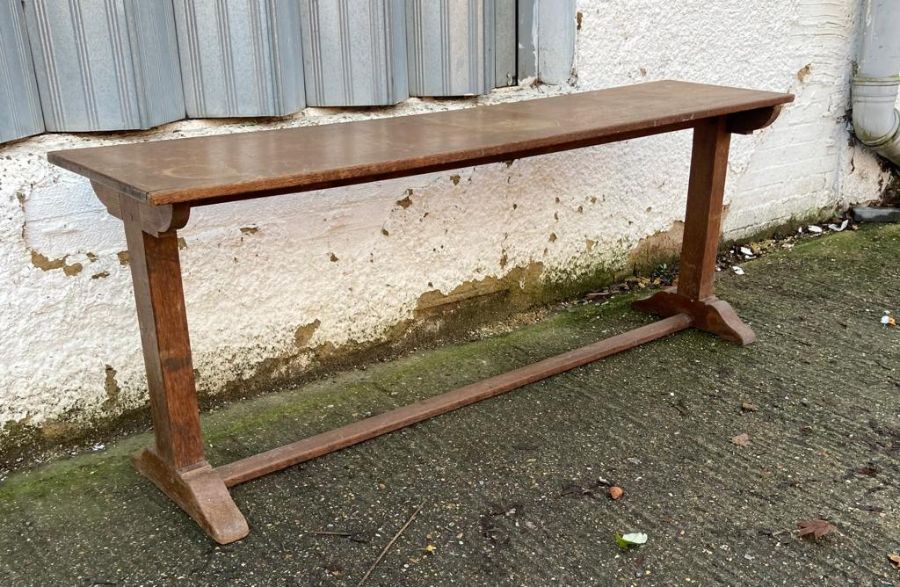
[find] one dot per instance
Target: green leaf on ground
(626, 541)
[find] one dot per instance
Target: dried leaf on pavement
(741, 439)
(815, 528)
(870, 470)
(895, 560)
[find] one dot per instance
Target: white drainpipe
(876, 120)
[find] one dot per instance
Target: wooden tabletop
(246, 165)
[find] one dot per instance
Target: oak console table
(152, 186)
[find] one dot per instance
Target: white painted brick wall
(248, 293)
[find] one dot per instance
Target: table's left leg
(176, 463)
(702, 227)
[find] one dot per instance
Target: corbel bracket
(154, 220)
(745, 123)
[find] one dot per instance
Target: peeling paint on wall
(406, 202)
(514, 286)
(45, 264)
(661, 246)
(304, 333)
(111, 386)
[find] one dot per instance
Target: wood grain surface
(205, 170)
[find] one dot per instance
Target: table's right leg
(695, 294)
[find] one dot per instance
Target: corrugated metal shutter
(546, 40)
(451, 47)
(240, 57)
(20, 114)
(504, 43)
(105, 64)
(354, 52)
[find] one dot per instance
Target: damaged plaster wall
(270, 279)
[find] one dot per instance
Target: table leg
(176, 463)
(702, 228)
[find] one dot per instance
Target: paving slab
(513, 490)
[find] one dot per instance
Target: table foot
(200, 492)
(711, 314)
